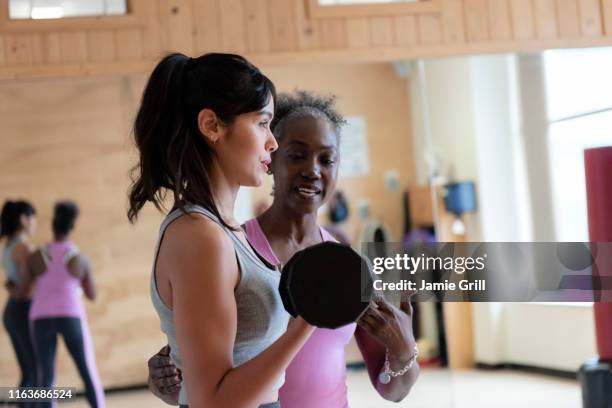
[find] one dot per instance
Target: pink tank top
(58, 293)
(319, 368)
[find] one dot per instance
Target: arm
(387, 327)
(21, 256)
(80, 266)
(203, 273)
(10, 286)
(88, 284)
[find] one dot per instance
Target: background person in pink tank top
(305, 170)
(60, 272)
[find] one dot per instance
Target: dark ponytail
(10, 217)
(174, 157)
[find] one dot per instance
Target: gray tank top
(262, 318)
(10, 267)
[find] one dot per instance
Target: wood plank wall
(280, 31)
(70, 139)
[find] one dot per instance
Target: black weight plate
(325, 284)
(283, 286)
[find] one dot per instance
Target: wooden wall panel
(231, 25)
(205, 21)
(153, 42)
(53, 50)
(17, 49)
(499, 18)
(476, 18)
(2, 51)
(567, 12)
(590, 17)
(453, 22)
(129, 44)
(101, 44)
(430, 29)
(607, 16)
(180, 30)
(545, 18)
(23, 49)
(381, 31)
(257, 25)
(281, 31)
(406, 31)
(73, 46)
(37, 50)
(307, 29)
(332, 33)
(358, 32)
(282, 25)
(523, 22)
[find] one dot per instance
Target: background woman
(60, 272)
(305, 170)
(17, 225)
(202, 131)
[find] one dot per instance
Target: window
(54, 9)
(579, 100)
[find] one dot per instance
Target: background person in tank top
(305, 171)
(202, 131)
(61, 274)
(17, 225)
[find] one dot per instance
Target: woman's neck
(282, 223)
(224, 194)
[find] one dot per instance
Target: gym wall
(286, 31)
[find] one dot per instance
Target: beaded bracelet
(385, 376)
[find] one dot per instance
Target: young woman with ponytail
(17, 225)
(202, 131)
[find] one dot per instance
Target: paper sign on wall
(354, 160)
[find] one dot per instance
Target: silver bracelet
(385, 376)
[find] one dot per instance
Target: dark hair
(301, 104)
(65, 214)
(10, 218)
(174, 157)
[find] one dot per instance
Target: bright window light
(39, 13)
(52, 9)
(579, 101)
(567, 142)
(577, 81)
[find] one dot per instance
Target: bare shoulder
(195, 232)
(21, 252)
(196, 248)
(37, 262)
(79, 265)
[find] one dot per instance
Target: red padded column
(598, 170)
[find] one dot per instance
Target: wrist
(402, 353)
(402, 356)
(388, 372)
